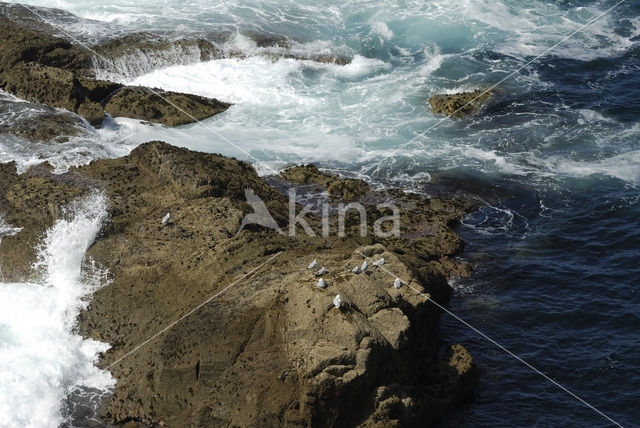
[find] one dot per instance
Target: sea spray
(6, 229)
(41, 359)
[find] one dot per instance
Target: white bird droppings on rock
(337, 301)
(313, 264)
(166, 219)
(397, 283)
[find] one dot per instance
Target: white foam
(530, 31)
(358, 68)
(257, 80)
(75, 152)
(292, 110)
(382, 30)
(137, 62)
(623, 166)
(590, 116)
(434, 59)
(6, 229)
(41, 360)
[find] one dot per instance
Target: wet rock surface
(346, 188)
(42, 68)
(38, 123)
(461, 104)
(271, 350)
(38, 63)
(156, 105)
(139, 53)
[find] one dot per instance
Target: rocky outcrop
(270, 349)
(151, 45)
(41, 68)
(168, 108)
(51, 86)
(142, 52)
(461, 104)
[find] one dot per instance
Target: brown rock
(41, 68)
(42, 84)
(460, 105)
(47, 126)
(345, 188)
(98, 90)
(331, 59)
(24, 40)
(271, 350)
(168, 108)
(93, 112)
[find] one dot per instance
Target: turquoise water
(556, 161)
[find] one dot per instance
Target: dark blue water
(557, 268)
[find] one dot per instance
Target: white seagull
(364, 266)
(397, 283)
(355, 270)
(337, 301)
(313, 264)
(378, 262)
(322, 271)
(166, 219)
(321, 283)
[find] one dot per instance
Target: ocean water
(555, 161)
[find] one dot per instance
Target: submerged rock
(461, 104)
(268, 351)
(38, 123)
(46, 127)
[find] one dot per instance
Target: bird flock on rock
(337, 300)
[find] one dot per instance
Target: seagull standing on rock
(322, 271)
(378, 262)
(337, 301)
(166, 219)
